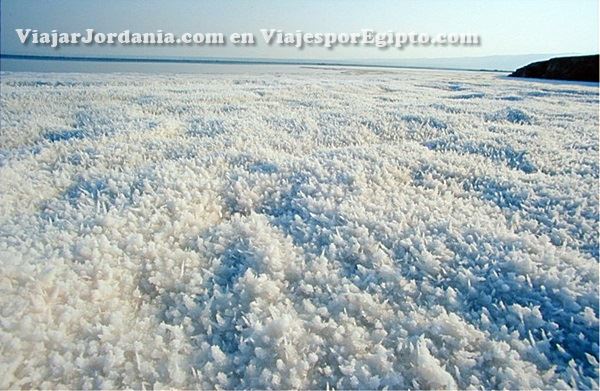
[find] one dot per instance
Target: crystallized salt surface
(326, 228)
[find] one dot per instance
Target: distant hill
(579, 68)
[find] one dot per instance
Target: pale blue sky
(506, 26)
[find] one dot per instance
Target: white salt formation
(313, 229)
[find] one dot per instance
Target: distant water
(28, 65)
(16, 63)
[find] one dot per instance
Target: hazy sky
(506, 26)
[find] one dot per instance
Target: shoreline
(219, 61)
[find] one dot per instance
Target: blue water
(16, 63)
(12, 65)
